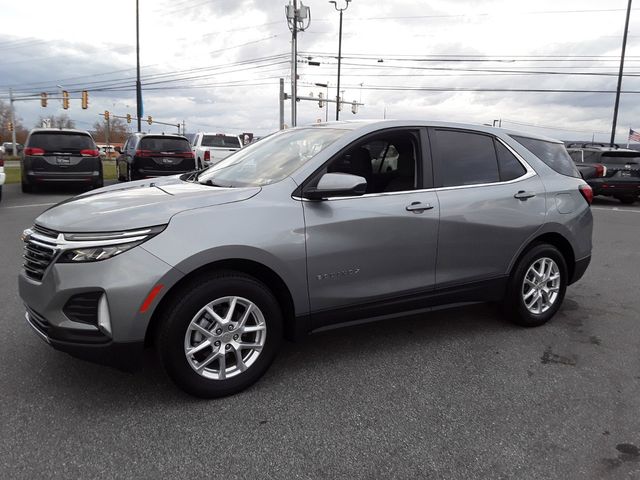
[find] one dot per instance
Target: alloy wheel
(541, 285)
(225, 337)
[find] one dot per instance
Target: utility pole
(295, 20)
(335, 5)
(617, 102)
(138, 85)
(13, 122)
(281, 104)
(106, 136)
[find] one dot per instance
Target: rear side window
(510, 167)
(164, 144)
(553, 154)
(226, 141)
(61, 142)
(465, 158)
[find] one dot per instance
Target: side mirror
(118, 149)
(336, 185)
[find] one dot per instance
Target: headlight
(93, 247)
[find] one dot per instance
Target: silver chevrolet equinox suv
(309, 228)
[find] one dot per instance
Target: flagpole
(629, 138)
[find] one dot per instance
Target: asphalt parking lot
(457, 393)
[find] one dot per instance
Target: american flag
(633, 135)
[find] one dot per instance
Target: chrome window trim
(529, 173)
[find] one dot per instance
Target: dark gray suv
(306, 229)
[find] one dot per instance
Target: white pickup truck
(210, 148)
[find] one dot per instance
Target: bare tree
(118, 131)
(59, 121)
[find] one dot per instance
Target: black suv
(53, 156)
(150, 155)
(609, 170)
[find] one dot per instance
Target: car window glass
(465, 158)
(388, 163)
(553, 154)
(226, 141)
(61, 142)
(164, 144)
(510, 167)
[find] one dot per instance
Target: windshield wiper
(210, 183)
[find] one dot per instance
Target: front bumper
(123, 356)
(123, 282)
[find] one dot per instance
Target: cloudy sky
(215, 63)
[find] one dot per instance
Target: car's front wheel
(220, 335)
(536, 286)
(628, 200)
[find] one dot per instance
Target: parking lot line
(32, 205)
(616, 209)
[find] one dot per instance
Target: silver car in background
(307, 229)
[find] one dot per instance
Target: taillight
(89, 153)
(207, 155)
(1, 162)
(33, 151)
(601, 170)
(188, 155)
(144, 153)
(587, 193)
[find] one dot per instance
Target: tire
(630, 200)
(26, 187)
(0, 193)
(540, 312)
(177, 333)
(99, 183)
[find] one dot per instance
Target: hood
(138, 204)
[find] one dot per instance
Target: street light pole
(138, 85)
(617, 103)
(335, 5)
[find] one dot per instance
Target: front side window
(465, 158)
(388, 162)
(272, 158)
(553, 154)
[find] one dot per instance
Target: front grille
(39, 252)
(83, 307)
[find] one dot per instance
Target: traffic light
(106, 115)
(354, 107)
(149, 120)
(321, 102)
(10, 126)
(43, 99)
(65, 99)
(128, 118)
(85, 99)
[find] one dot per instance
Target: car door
(373, 254)
(491, 203)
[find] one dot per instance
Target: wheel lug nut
(235, 337)
(219, 331)
(227, 347)
(217, 343)
(230, 327)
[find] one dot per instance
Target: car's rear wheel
(26, 187)
(628, 200)
(0, 192)
(221, 335)
(536, 286)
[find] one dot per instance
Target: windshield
(272, 158)
(220, 141)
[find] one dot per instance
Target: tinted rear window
(555, 155)
(620, 158)
(61, 142)
(466, 158)
(164, 144)
(226, 141)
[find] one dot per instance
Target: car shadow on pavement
(361, 346)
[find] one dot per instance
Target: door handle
(418, 207)
(522, 195)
